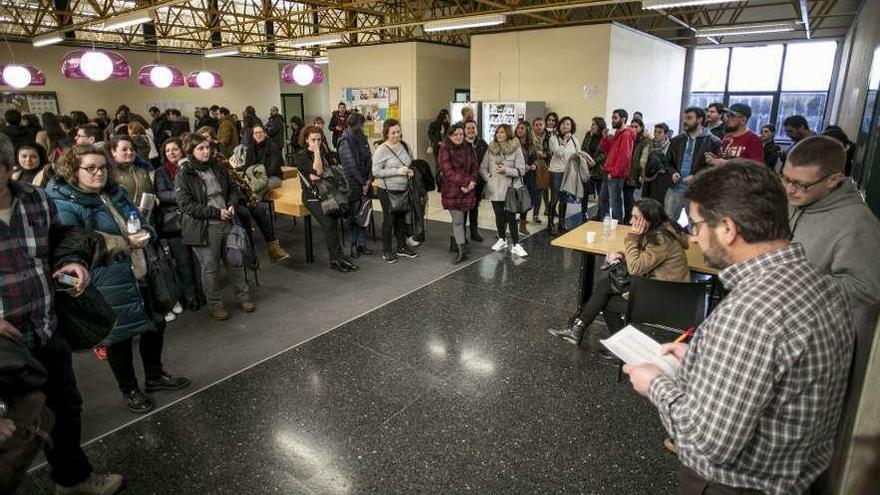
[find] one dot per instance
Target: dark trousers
(557, 204)
(120, 355)
(691, 483)
(357, 235)
(185, 265)
(392, 224)
(504, 220)
(262, 215)
(330, 226)
(603, 299)
(69, 463)
(629, 199)
(594, 186)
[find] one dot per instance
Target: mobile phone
(68, 280)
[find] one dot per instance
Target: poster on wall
(376, 104)
(36, 103)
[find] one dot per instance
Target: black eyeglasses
(802, 188)
(692, 226)
(94, 170)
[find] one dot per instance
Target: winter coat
(459, 168)
(620, 153)
(266, 153)
(192, 199)
(659, 256)
(576, 174)
(561, 152)
(275, 129)
(354, 153)
(134, 179)
(636, 164)
(385, 164)
(704, 143)
(227, 133)
(510, 155)
(116, 281)
(592, 148)
(166, 192)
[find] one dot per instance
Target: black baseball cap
(740, 108)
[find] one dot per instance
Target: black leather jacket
(705, 143)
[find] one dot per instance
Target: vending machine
(495, 113)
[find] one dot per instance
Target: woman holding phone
(85, 195)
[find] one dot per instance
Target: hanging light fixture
(319, 75)
(204, 79)
(160, 76)
(299, 73)
(95, 65)
(21, 76)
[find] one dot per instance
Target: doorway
(292, 105)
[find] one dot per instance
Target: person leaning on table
(654, 249)
(755, 405)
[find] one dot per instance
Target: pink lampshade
(37, 76)
(298, 73)
(204, 79)
(160, 76)
(94, 65)
(319, 75)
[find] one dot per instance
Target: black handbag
(85, 318)
(365, 212)
(398, 201)
(164, 287)
(618, 276)
(169, 222)
(517, 200)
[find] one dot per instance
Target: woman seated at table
(654, 249)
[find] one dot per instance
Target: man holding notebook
(755, 404)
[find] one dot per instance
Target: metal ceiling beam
(805, 17)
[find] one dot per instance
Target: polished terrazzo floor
(455, 388)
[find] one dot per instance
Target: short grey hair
(7, 152)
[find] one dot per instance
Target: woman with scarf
(168, 223)
(656, 179)
(503, 167)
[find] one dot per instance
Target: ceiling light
(17, 76)
(124, 21)
(222, 52)
(327, 39)
(322, 60)
(745, 29)
(96, 65)
(47, 39)
(204, 79)
(464, 23)
(671, 4)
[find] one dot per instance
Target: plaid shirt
(758, 397)
(26, 288)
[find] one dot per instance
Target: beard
(617, 125)
(715, 256)
(690, 128)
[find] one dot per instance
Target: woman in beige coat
(503, 167)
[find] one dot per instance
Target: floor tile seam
(277, 354)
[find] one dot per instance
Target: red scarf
(171, 168)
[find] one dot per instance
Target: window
(755, 68)
(776, 80)
(710, 70)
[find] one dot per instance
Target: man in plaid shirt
(27, 315)
(755, 404)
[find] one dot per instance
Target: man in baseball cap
(740, 141)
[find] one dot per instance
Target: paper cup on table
(591, 237)
(614, 223)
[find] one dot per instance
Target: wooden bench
(287, 200)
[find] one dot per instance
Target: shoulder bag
(162, 282)
(84, 318)
(517, 199)
(399, 201)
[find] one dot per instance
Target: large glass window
(776, 80)
(755, 68)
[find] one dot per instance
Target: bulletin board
(36, 103)
(374, 103)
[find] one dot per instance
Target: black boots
(461, 256)
(551, 225)
(573, 334)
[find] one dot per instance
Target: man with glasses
(740, 141)
(755, 404)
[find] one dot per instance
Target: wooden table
(577, 240)
(288, 172)
(288, 201)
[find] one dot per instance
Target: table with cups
(589, 241)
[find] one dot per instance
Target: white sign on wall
(590, 91)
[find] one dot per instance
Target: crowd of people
(773, 221)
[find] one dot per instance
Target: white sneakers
(517, 250)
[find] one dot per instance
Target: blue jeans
(535, 194)
(611, 196)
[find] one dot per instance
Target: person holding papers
(654, 249)
(755, 404)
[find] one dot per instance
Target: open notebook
(634, 347)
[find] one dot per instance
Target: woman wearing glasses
(654, 249)
(85, 195)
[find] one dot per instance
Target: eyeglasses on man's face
(801, 187)
(694, 227)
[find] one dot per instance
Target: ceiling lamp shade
(21, 76)
(94, 65)
(319, 75)
(204, 79)
(160, 76)
(301, 74)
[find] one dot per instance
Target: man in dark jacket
(338, 121)
(686, 156)
(267, 153)
(354, 153)
(18, 134)
(27, 316)
(275, 127)
(478, 148)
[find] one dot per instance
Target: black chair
(661, 308)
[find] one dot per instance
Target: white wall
(645, 74)
(858, 52)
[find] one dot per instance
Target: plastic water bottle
(606, 226)
(133, 226)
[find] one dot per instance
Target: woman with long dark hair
(564, 147)
(654, 249)
(52, 138)
(523, 133)
(458, 187)
(591, 147)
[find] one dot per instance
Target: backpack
(240, 248)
